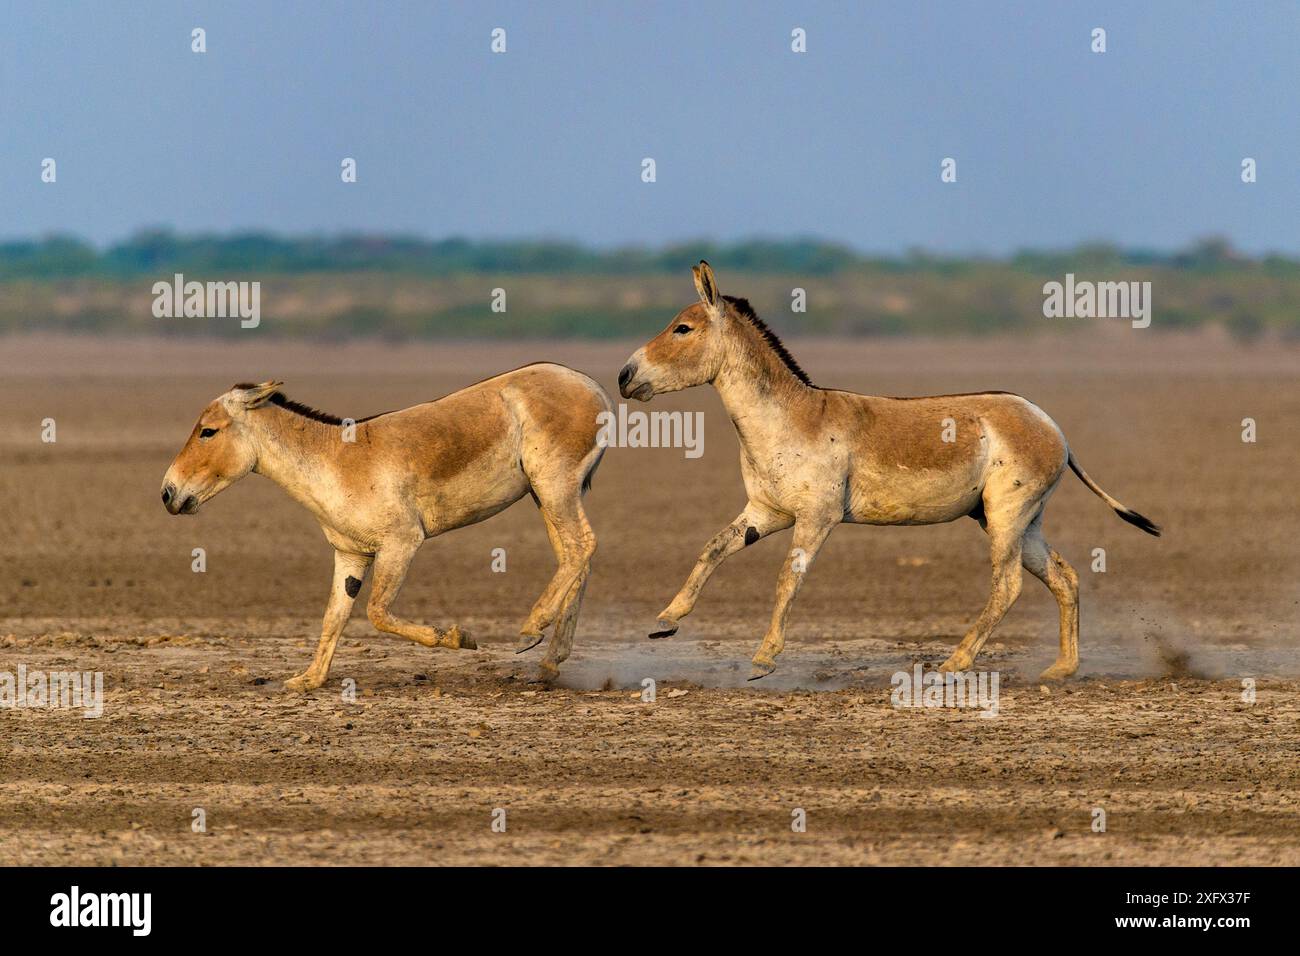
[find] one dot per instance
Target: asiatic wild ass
(381, 486)
(814, 457)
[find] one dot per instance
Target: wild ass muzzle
(381, 486)
(815, 457)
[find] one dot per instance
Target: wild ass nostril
(625, 376)
(167, 494)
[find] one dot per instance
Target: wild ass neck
(758, 389)
(298, 454)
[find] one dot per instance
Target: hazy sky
(1054, 144)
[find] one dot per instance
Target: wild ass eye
(207, 432)
(681, 330)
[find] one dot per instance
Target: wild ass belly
(899, 493)
(900, 483)
(474, 494)
(368, 516)
(800, 482)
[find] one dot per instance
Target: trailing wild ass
(814, 457)
(382, 485)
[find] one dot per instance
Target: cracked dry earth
(1154, 731)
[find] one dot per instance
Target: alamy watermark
(1101, 300)
(133, 911)
(53, 690)
(973, 689)
(638, 429)
(208, 300)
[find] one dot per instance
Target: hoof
(547, 672)
(301, 684)
(458, 640)
(760, 670)
(528, 641)
(954, 665)
(663, 629)
(1058, 672)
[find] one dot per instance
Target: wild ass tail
(1128, 514)
(586, 479)
(600, 449)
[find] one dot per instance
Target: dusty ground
(96, 576)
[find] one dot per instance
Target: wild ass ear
(706, 285)
(255, 396)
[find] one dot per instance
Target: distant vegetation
(399, 287)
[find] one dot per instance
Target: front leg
(391, 562)
(349, 572)
(809, 535)
(755, 522)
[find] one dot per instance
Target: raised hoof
(300, 684)
(663, 629)
(760, 670)
(528, 641)
(954, 665)
(1058, 672)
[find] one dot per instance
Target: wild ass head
(220, 450)
(689, 352)
(719, 334)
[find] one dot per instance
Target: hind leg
(1006, 517)
(564, 515)
(1005, 556)
(1061, 579)
(557, 652)
(562, 638)
(530, 635)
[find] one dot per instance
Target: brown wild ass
(382, 485)
(814, 457)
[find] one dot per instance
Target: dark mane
(743, 307)
(306, 411)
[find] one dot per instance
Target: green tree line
(155, 252)
(403, 288)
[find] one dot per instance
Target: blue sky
(1054, 144)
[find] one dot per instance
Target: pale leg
(809, 536)
(1061, 579)
(752, 524)
(349, 572)
(391, 562)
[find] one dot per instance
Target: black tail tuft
(586, 479)
(1140, 521)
